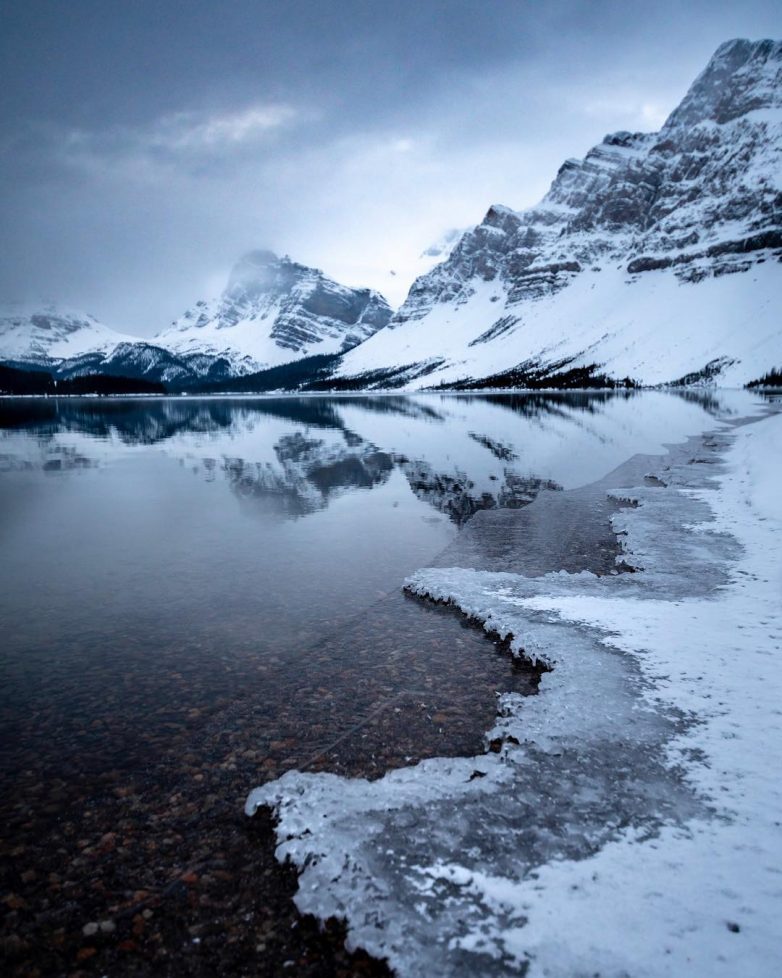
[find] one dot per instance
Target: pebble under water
(165, 650)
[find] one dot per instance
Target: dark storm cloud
(145, 145)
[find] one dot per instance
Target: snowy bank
(630, 823)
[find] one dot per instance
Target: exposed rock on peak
(273, 311)
(263, 272)
(599, 279)
(741, 76)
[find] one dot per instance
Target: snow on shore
(630, 823)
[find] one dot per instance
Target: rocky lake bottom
(157, 669)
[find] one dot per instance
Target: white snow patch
(651, 328)
(635, 829)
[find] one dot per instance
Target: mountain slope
(71, 345)
(145, 361)
(47, 335)
(274, 311)
(655, 258)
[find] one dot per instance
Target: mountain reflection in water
(293, 456)
(201, 594)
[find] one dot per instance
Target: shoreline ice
(630, 822)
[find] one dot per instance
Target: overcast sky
(144, 146)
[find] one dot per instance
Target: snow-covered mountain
(656, 259)
(46, 335)
(274, 311)
(72, 344)
(140, 359)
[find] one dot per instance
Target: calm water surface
(224, 536)
(198, 594)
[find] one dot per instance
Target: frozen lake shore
(628, 822)
(281, 530)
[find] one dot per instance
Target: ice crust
(629, 823)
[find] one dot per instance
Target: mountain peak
(262, 271)
(258, 258)
(274, 310)
(45, 333)
(656, 257)
(741, 76)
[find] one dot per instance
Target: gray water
(254, 527)
(199, 594)
(172, 554)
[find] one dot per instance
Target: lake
(199, 594)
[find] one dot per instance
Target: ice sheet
(629, 823)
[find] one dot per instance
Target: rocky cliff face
(654, 257)
(274, 311)
(47, 335)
